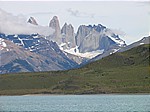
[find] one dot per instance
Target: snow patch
(61, 46)
(114, 51)
(75, 51)
(141, 43)
(36, 36)
(118, 41)
(21, 41)
(16, 36)
(2, 44)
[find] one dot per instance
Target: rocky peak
(97, 37)
(67, 29)
(54, 23)
(97, 28)
(68, 34)
(32, 21)
(82, 32)
(65, 25)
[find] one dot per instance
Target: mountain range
(88, 42)
(55, 48)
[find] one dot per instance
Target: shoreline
(78, 94)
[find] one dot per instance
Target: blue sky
(131, 19)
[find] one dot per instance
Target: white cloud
(10, 24)
(131, 17)
(118, 32)
(77, 13)
(41, 13)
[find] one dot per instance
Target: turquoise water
(75, 103)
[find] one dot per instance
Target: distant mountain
(48, 51)
(32, 21)
(145, 40)
(88, 42)
(97, 37)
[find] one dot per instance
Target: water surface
(83, 103)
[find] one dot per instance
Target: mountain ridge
(50, 54)
(144, 40)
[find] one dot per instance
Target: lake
(74, 103)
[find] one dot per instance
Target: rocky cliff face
(91, 38)
(32, 21)
(54, 23)
(82, 32)
(68, 35)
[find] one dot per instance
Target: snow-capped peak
(114, 37)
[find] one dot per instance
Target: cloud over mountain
(77, 13)
(10, 24)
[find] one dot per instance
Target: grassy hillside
(127, 72)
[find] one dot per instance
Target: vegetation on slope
(127, 72)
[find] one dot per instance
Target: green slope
(127, 72)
